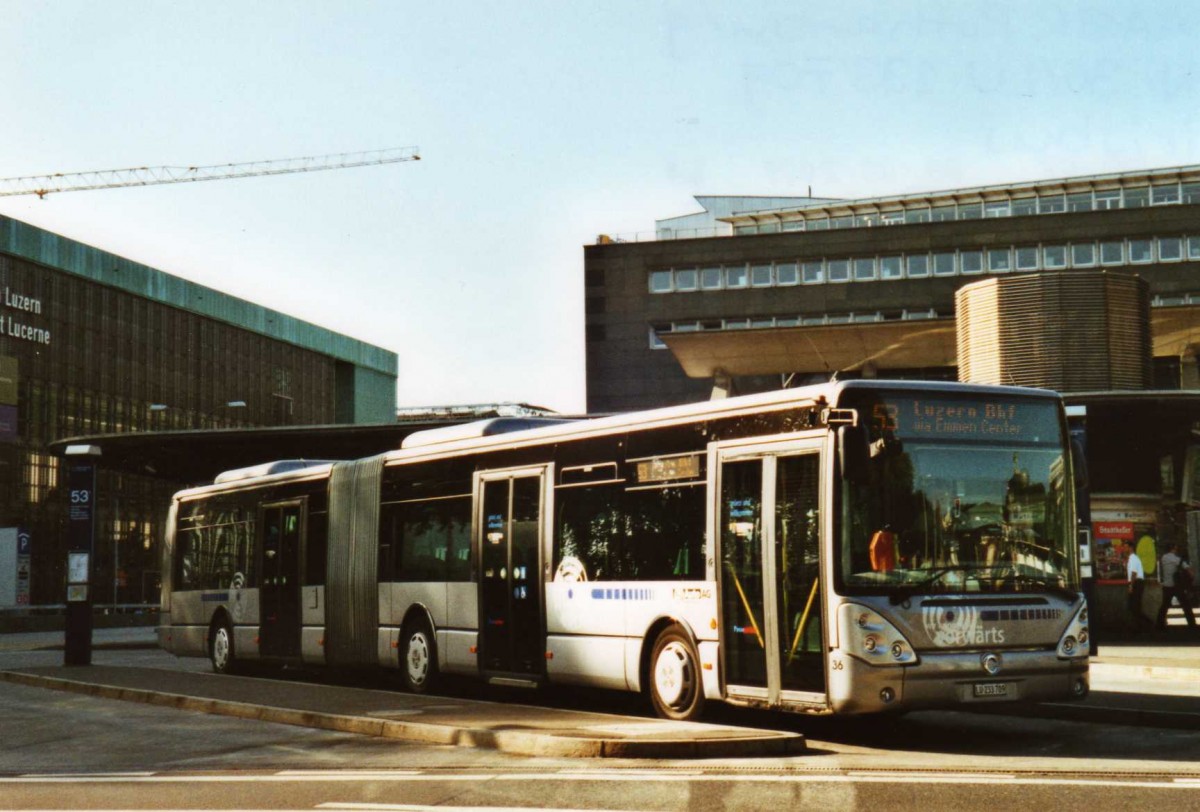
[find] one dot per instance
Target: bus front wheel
(220, 648)
(675, 688)
(418, 662)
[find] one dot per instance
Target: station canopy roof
(197, 456)
(885, 345)
(783, 350)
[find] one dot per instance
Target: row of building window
(1015, 205)
(826, 319)
(1006, 259)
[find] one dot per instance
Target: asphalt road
(67, 751)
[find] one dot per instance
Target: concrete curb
(524, 743)
(95, 647)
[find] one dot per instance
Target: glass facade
(78, 357)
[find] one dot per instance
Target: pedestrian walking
(1136, 574)
(1175, 576)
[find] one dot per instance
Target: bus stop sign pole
(81, 534)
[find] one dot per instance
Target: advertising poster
(1116, 535)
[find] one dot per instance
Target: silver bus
(852, 547)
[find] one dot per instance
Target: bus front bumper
(955, 680)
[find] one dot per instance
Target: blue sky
(541, 125)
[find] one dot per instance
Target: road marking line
(88, 775)
(636, 773)
(864, 778)
(899, 774)
(236, 779)
(859, 777)
(365, 807)
(303, 773)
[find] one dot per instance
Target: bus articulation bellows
(852, 547)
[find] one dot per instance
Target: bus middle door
(512, 635)
(769, 531)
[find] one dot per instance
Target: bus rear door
(769, 533)
(279, 597)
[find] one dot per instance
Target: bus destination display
(936, 418)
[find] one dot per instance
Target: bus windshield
(959, 495)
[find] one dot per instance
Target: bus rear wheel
(418, 661)
(220, 648)
(674, 683)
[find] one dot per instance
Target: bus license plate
(991, 689)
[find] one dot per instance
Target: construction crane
(42, 185)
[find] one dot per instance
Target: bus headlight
(868, 636)
(1075, 641)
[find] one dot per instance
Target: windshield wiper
(1053, 587)
(903, 592)
(996, 573)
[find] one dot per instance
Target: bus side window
(588, 530)
(188, 576)
(389, 540)
(423, 542)
(666, 533)
(246, 557)
(215, 539)
(315, 553)
(458, 538)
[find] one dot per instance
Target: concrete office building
(92, 344)
(756, 293)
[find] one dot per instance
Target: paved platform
(511, 728)
(1153, 681)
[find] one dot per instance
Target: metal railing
(59, 608)
(665, 235)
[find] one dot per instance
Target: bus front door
(512, 638)
(769, 532)
(279, 596)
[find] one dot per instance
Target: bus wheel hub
(671, 673)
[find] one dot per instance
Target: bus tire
(418, 657)
(674, 681)
(220, 648)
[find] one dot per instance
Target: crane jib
(42, 185)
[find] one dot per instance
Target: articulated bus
(852, 547)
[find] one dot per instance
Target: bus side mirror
(1079, 464)
(854, 449)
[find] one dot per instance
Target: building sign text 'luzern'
(13, 326)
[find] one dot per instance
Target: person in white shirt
(1136, 574)
(1172, 572)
